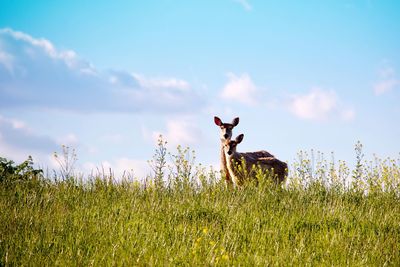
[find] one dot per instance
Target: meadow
(326, 214)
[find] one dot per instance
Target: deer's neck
(232, 162)
(224, 168)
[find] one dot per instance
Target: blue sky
(107, 78)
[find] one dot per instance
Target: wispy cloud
(387, 81)
(68, 56)
(7, 61)
(182, 130)
(17, 140)
(245, 4)
(385, 86)
(240, 89)
(165, 82)
(319, 105)
(17, 134)
(34, 73)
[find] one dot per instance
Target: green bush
(9, 172)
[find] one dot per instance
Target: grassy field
(317, 218)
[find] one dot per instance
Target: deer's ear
(239, 138)
(235, 121)
(217, 121)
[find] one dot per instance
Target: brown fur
(261, 154)
(280, 168)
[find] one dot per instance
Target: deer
(243, 166)
(226, 134)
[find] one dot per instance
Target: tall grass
(184, 215)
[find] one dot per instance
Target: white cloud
(120, 167)
(385, 86)
(316, 105)
(180, 131)
(245, 4)
(348, 114)
(319, 105)
(45, 77)
(387, 81)
(172, 83)
(17, 141)
(7, 61)
(68, 56)
(240, 89)
(69, 140)
(18, 135)
(17, 124)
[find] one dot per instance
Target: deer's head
(226, 128)
(230, 145)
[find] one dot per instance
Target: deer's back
(259, 154)
(280, 168)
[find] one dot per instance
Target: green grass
(102, 223)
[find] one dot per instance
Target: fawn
(249, 163)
